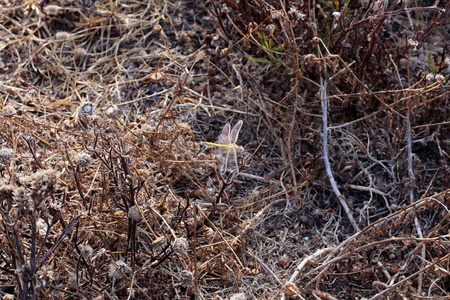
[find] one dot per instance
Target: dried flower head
(52, 10)
(276, 15)
(8, 111)
(87, 108)
(6, 155)
(41, 227)
(186, 278)
(45, 274)
(439, 78)
(87, 252)
(413, 43)
(299, 15)
(180, 246)
(80, 52)
(6, 191)
(111, 111)
(238, 296)
(41, 182)
(290, 289)
(133, 213)
(270, 29)
(84, 159)
(63, 36)
(429, 77)
(116, 269)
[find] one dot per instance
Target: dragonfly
(226, 149)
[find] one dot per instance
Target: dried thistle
(180, 246)
(41, 182)
(87, 108)
(112, 111)
(6, 155)
(186, 278)
(84, 159)
(440, 78)
(52, 10)
(80, 52)
(63, 36)
(134, 214)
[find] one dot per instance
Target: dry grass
(107, 193)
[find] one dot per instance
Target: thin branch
(323, 98)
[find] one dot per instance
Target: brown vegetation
(106, 191)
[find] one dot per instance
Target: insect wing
(235, 132)
(232, 164)
(227, 160)
(226, 155)
(222, 161)
(224, 137)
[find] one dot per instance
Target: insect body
(227, 149)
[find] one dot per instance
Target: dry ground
(107, 193)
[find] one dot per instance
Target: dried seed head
(180, 246)
(159, 244)
(84, 159)
(21, 195)
(41, 227)
(6, 192)
(6, 155)
(80, 52)
(8, 111)
(413, 43)
(299, 15)
(40, 182)
(52, 10)
(290, 289)
(238, 296)
(111, 111)
(63, 36)
(276, 14)
(87, 108)
(133, 213)
(270, 29)
(116, 269)
(439, 78)
(186, 278)
(429, 77)
(87, 252)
